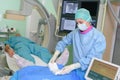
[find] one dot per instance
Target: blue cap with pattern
(84, 14)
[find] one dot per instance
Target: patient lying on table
(26, 48)
(22, 62)
(17, 46)
(30, 72)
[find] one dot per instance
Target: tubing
(104, 16)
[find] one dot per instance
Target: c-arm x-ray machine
(45, 36)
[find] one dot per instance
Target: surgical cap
(83, 14)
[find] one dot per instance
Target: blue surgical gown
(85, 46)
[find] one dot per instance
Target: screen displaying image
(70, 7)
(67, 24)
(102, 71)
(93, 5)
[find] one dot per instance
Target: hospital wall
(11, 5)
(15, 5)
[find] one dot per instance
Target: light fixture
(15, 15)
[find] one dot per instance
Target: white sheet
(13, 65)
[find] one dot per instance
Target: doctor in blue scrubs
(87, 42)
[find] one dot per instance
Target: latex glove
(52, 60)
(53, 67)
(68, 69)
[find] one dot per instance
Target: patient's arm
(21, 62)
(9, 50)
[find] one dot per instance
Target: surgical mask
(82, 27)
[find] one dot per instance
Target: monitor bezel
(103, 61)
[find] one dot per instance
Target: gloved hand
(68, 69)
(53, 67)
(52, 60)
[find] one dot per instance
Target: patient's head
(17, 34)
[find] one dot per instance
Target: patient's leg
(9, 50)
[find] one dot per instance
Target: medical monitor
(70, 7)
(68, 10)
(93, 6)
(101, 70)
(68, 24)
(67, 21)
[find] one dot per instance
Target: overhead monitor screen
(67, 24)
(70, 7)
(93, 5)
